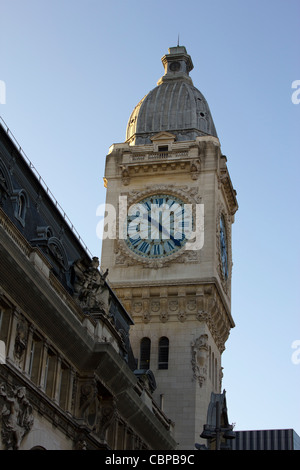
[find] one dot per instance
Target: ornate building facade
(67, 374)
(169, 255)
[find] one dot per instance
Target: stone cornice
(229, 191)
(183, 301)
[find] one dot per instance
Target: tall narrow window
(64, 386)
(50, 373)
(145, 353)
(34, 368)
(4, 325)
(163, 353)
(21, 209)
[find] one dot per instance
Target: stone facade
(182, 295)
(67, 374)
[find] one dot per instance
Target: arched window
(145, 348)
(163, 353)
(21, 209)
(21, 203)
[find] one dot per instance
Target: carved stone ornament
(199, 358)
(90, 289)
(182, 316)
(195, 169)
(80, 443)
(173, 305)
(126, 257)
(20, 341)
(57, 251)
(95, 411)
(212, 311)
(16, 416)
(155, 306)
(137, 307)
(146, 317)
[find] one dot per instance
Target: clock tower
(167, 244)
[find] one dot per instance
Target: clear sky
(72, 72)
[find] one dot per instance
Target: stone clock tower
(169, 252)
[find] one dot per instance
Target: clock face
(223, 247)
(158, 226)
(175, 66)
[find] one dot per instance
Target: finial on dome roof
(177, 64)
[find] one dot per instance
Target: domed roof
(174, 105)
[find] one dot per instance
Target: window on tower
(163, 353)
(145, 348)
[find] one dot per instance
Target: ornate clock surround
(125, 256)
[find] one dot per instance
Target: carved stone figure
(88, 409)
(20, 341)
(108, 412)
(80, 444)
(94, 410)
(199, 358)
(90, 287)
(17, 416)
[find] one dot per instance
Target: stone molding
(197, 303)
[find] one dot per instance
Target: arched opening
(163, 353)
(145, 348)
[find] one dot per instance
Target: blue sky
(73, 71)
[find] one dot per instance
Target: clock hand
(174, 240)
(162, 229)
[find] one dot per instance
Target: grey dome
(175, 105)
